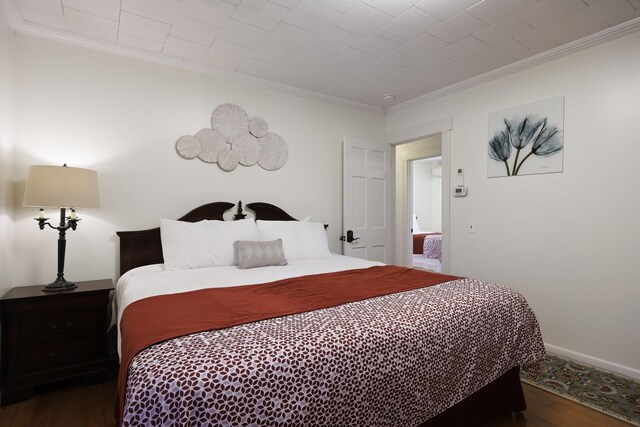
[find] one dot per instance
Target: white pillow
(187, 245)
(300, 240)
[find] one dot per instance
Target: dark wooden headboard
(144, 247)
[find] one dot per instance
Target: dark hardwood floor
(81, 405)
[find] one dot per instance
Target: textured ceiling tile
(260, 13)
(42, 18)
(544, 35)
(91, 25)
(312, 16)
(422, 46)
(491, 11)
(457, 27)
(444, 10)
(242, 34)
(598, 13)
(430, 62)
(160, 10)
(184, 49)
(289, 4)
(145, 28)
(463, 49)
(272, 54)
(342, 6)
(312, 55)
(536, 51)
(212, 12)
(393, 7)
(502, 31)
(410, 24)
(259, 69)
(228, 51)
(105, 8)
(220, 63)
(290, 37)
(547, 11)
(368, 73)
(504, 51)
(139, 43)
(354, 58)
(469, 67)
(335, 40)
(52, 7)
(378, 43)
(392, 60)
(195, 31)
(624, 18)
(362, 20)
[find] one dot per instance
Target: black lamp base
(59, 285)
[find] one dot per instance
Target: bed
(447, 354)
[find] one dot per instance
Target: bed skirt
(499, 397)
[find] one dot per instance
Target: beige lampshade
(61, 187)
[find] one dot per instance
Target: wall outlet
(471, 226)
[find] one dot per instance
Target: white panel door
(367, 204)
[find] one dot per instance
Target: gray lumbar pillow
(252, 254)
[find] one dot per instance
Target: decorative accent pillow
(251, 254)
(187, 245)
(300, 240)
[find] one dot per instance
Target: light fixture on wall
(61, 187)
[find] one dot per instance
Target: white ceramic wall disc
(258, 127)
(247, 149)
(188, 146)
(274, 152)
(227, 160)
(212, 143)
(230, 120)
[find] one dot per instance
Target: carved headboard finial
(239, 215)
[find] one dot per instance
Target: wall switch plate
(471, 226)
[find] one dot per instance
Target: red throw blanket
(155, 319)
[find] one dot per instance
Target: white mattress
(151, 280)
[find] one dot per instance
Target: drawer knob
(61, 328)
(59, 356)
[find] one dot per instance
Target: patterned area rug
(610, 393)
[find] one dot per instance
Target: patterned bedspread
(395, 360)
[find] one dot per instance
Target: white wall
(568, 241)
(122, 118)
(7, 124)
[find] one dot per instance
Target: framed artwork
(527, 140)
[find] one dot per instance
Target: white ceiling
(357, 50)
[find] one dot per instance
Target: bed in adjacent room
(264, 326)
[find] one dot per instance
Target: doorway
(427, 140)
(425, 204)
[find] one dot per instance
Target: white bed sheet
(152, 280)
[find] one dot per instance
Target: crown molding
(555, 53)
(104, 46)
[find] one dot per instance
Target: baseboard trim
(594, 361)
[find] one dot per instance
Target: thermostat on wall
(460, 191)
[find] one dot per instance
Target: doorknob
(350, 237)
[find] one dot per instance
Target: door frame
(402, 169)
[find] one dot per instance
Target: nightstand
(48, 337)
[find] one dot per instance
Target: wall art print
(527, 140)
(235, 139)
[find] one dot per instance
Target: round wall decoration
(188, 146)
(247, 149)
(212, 143)
(230, 120)
(227, 160)
(234, 139)
(274, 152)
(258, 127)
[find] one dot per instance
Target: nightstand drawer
(60, 327)
(61, 353)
